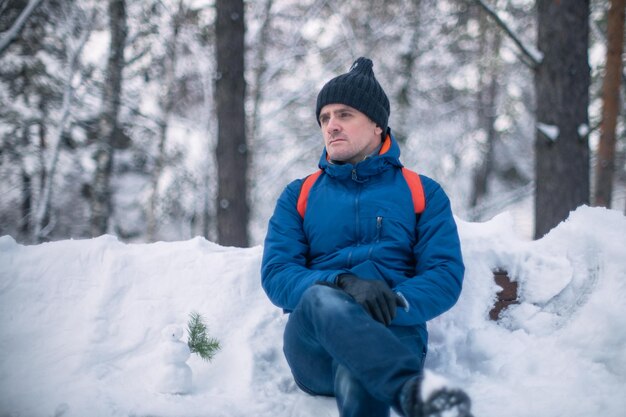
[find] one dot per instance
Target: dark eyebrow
(342, 109)
(339, 110)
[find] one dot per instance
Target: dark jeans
(335, 348)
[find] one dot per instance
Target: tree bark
(605, 165)
(101, 205)
(562, 93)
(232, 150)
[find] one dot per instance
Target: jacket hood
(387, 157)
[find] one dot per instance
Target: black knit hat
(359, 89)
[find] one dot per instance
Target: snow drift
(81, 323)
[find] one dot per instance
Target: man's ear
(378, 130)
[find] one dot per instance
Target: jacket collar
(388, 156)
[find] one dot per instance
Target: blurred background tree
(464, 96)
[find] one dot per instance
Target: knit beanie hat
(359, 89)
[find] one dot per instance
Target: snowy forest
(168, 119)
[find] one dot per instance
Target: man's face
(349, 135)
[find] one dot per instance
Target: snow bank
(81, 322)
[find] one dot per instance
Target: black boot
(411, 398)
(442, 402)
(448, 402)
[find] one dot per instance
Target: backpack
(412, 179)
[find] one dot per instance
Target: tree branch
(534, 56)
(11, 34)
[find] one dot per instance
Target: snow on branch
(549, 131)
(535, 56)
(583, 130)
(11, 34)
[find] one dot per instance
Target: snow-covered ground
(81, 322)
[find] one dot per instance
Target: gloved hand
(375, 296)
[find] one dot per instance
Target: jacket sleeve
(284, 271)
(436, 286)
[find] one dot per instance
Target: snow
(81, 324)
(176, 375)
(583, 130)
(550, 131)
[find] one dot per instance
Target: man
(357, 269)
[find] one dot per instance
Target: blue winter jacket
(360, 219)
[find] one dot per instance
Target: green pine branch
(199, 341)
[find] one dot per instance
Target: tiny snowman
(175, 377)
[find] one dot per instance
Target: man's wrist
(343, 278)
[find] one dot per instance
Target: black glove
(375, 296)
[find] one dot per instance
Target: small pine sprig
(199, 341)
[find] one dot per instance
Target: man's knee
(322, 299)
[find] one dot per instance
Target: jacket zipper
(357, 230)
(379, 229)
(357, 201)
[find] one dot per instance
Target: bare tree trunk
(26, 205)
(487, 94)
(167, 104)
(42, 213)
(261, 68)
(605, 166)
(41, 226)
(562, 93)
(101, 205)
(207, 196)
(152, 216)
(205, 56)
(232, 150)
(407, 63)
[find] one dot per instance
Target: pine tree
(199, 341)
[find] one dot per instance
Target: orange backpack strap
(417, 191)
(412, 179)
(304, 191)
